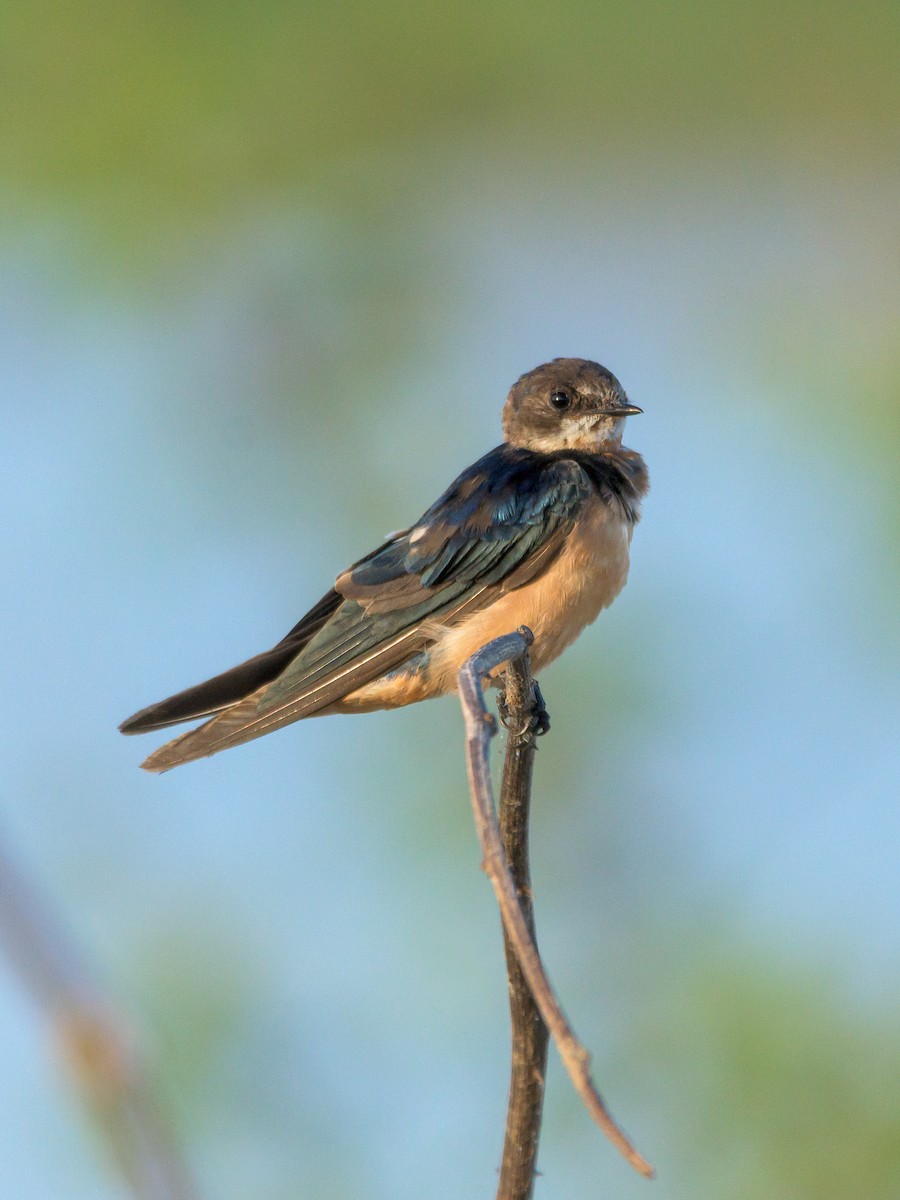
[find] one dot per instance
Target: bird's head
(566, 404)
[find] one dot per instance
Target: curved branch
(530, 1038)
(480, 728)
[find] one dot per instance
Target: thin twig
(529, 1033)
(480, 728)
(92, 1041)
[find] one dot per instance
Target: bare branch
(529, 1033)
(480, 728)
(92, 1041)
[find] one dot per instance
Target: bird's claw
(538, 722)
(540, 718)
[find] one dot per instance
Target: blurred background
(266, 274)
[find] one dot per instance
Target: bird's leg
(539, 718)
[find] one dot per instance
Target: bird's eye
(560, 400)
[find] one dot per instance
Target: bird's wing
(496, 526)
(499, 525)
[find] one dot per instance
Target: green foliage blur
(180, 112)
(309, 189)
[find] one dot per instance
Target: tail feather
(212, 696)
(250, 718)
(219, 693)
(202, 741)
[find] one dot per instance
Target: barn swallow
(536, 533)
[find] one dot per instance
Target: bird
(537, 532)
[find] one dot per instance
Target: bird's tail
(252, 717)
(235, 724)
(230, 699)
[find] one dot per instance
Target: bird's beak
(621, 410)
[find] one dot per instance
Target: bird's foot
(538, 722)
(540, 718)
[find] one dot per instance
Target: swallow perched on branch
(536, 533)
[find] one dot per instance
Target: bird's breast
(587, 574)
